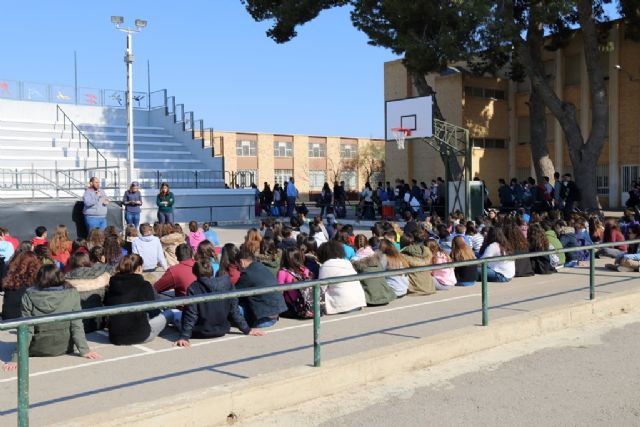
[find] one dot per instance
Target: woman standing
(165, 201)
(132, 202)
(326, 197)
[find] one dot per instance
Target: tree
(369, 160)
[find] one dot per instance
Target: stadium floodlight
(128, 59)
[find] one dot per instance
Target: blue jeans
(165, 217)
(265, 322)
(468, 283)
(132, 218)
(95, 222)
(291, 205)
(492, 276)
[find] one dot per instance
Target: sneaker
(624, 269)
(611, 267)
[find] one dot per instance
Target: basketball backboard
(414, 114)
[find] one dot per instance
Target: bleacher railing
(23, 324)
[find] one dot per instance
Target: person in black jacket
(261, 311)
(211, 319)
(128, 286)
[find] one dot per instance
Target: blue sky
(213, 57)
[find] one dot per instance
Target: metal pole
(467, 175)
(148, 85)
(75, 74)
(485, 296)
(23, 376)
(316, 326)
(592, 274)
(128, 59)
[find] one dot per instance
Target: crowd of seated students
(51, 276)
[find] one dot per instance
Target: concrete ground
(70, 386)
(587, 375)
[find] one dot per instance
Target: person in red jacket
(179, 276)
(9, 238)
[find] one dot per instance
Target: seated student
(40, 237)
(261, 311)
(495, 245)
(269, 256)
(538, 242)
(299, 302)
(6, 248)
(210, 234)
(343, 238)
(363, 250)
(21, 273)
(629, 261)
(317, 234)
(211, 319)
(445, 277)
(195, 235)
(91, 281)
(128, 286)
(612, 233)
(113, 250)
(557, 261)
(130, 234)
(392, 260)
(149, 248)
(288, 239)
(172, 237)
(444, 238)
(95, 238)
(520, 246)
(460, 251)
(180, 276)
(341, 297)
(51, 295)
(9, 238)
(228, 266)
(61, 245)
(411, 224)
(567, 237)
(477, 239)
(417, 255)
(206, 250)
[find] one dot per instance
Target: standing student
(292, 195)
(95, 206)
(165, 201)
(132, 202)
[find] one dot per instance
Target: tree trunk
(425, 89)
(538, 124)
(585, 178)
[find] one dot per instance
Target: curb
(289, 387)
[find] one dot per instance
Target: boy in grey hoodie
(149, 248)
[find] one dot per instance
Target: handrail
(23, 324)
(66, 117)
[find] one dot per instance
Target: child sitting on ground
(40, 237)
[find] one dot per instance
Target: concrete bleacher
(43, 157)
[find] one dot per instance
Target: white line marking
(231, 338)
(143, 348)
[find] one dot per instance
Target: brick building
(495, 111)
(311, 160)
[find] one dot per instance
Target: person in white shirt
(149, 248)
(495, 245)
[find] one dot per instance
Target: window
(246, 177)
(602, 180)
(317, 150)
(376, 177)
(282, 175)
(245, 148)
(317, 179)
(282, 149)
(481, 92)
(630, 173)
(348, 151)
(350, 179)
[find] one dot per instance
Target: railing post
(23, 376)
(196, 173)
(485, 296)
(316, 326)
(592, 274)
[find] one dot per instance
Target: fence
(23, 324)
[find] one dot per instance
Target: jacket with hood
(169, 244)
(91, 283)
(260, 306)
(376, 291)
(150, 249)
(195, 238)
(178, 277)
(419, 256)
(568, 239)
(362, 253)
(271, 261)
(556, 244)
(211, 319)
(341, 297)
(53, 339)
(129, 328)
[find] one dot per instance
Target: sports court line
(235, 337)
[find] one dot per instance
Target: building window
(282, 149)
(350, 179)
(317, 150)
(483, 92)
(282, 175)
(245, 148)
(375, 178)
(629, 174)
(246, 177)
(489, 143)
(602, 180)
(348, 151)
(317, 179)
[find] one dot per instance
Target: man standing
(95, 206)
(292, 195)
(570, 194)
(557, 189)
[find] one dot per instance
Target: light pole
(128, 59)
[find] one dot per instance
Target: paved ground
(582, 376)
(67, 386)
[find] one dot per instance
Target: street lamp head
(141, 23)
(117, 20)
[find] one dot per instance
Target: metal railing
(23, 324)
(181, 178)
(75, 130)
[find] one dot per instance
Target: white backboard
(414, 114)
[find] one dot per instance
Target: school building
(495, 111)
(312, 160)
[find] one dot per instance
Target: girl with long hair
(299, 302)
(392, 260)
(165, 201)
(496, 245)
(516, 237)
(206, 250)
(21, 274)
(95, 238)
(170, 241)
(60, 245)
(445, 277)
(363, 250)
(91, 281)
(539, 242)
(228, 265)
(460, 251)
(252, 241)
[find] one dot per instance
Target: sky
(213, 57)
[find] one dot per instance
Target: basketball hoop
(400, 134)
